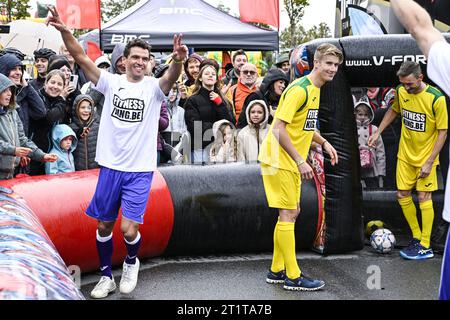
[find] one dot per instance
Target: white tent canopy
(28, 36)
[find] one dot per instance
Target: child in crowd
(15, 147)
(85, 123)
(64, 143)
(251, 136)
(373, 160)
(224, 147)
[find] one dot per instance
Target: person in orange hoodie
(246, 85)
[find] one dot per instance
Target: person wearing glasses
(245, 86)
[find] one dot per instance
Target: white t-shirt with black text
(127, 137)
(438, 70)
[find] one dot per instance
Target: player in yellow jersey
(424, 129)
(282, 156)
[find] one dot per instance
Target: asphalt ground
(360, 275)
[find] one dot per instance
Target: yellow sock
(409, 211)
(286, 241)
(277, 260)
(427, 222)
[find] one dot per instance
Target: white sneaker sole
(104, 295)
(302, 288)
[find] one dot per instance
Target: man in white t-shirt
(432, 43)
(126, 147)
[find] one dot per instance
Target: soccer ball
(373, 225)
(382, 240)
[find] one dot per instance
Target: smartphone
(73, 80)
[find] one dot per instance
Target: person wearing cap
(283, 63)
(14, 145)
(41, 58)
(28, 99)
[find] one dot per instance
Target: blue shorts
(115, 189)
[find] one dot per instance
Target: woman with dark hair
(40, 130)
(270, 91)
(206, 106)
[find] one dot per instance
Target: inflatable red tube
(59, 202)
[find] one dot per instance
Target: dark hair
(137, 43)
(240, 52)
(210, 62)
(409, 67)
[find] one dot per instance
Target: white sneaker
(103, 288)
(129, 277)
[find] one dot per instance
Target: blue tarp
(203, 26)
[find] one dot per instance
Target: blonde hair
(328, 49)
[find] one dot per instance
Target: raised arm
(90, 69)
(417, 22)
(180, 53)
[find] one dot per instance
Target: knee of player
(105, 228)
(424, 196)
(401, 194)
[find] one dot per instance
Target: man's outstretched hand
(55, 19)
(180, 51)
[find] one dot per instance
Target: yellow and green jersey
(299, 108)
(423, 114)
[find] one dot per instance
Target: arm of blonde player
(50, 157)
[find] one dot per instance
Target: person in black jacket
(40, 130)
(270, 91)
(203, 108)
(85, 124)
(28, 100)
(41, 58)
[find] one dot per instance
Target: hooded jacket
(217, 153)
(378, 153)
(84, 154)
(116, 55)
(264, 93)
(65, 162)
(27, 98)
(250, 138)
(12, 136)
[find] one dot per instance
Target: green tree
(295, 11)
(112, 8)
(287, 40)
(14, 9)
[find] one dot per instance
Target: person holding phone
(70, 90)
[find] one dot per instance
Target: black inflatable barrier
(223, 209)
(343, 216)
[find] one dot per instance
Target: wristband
(177, 61)
(323, 143)
(299, 162)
